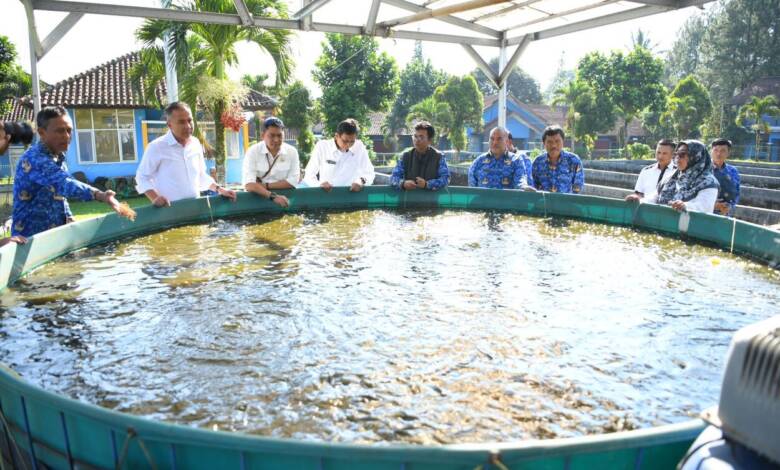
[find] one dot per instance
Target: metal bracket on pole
(59, 32)
(308, 9)
(244, 13)
(507, 69)
(490, 73)
(372, 14)
(502, 66)
(36, 50)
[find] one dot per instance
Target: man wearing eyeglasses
(421, 167)
(271, 164)
(340, 161)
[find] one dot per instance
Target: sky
(98, 39)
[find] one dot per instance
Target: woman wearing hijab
(693, 187)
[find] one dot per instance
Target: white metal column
(502, 85)
(171, 79)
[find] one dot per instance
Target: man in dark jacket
(421, 167)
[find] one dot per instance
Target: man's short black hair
(426, 126)
(48, 113)
(550, 131)
(176, 106)
(273, 121)
(667, 143)
(348, 126)
(720, 141)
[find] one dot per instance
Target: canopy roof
(496, 23)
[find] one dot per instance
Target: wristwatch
(272, 196)
(362, 181)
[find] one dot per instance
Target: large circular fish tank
(383, 329)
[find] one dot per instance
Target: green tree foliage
(741, 44)
(296, 111)
(683, 59)
(638, 151)
(14, 81)
(418, 81)
(561, 78)
(355, 79)
(521, 85)
(642, 39)
(259, 83)
(687, 107)
(438, 113)
(466, 103)
(588, 113)
(631, 81)
(207, 50)
(751, 115)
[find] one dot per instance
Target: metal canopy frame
(531, 20)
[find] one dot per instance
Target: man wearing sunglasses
(271, 164)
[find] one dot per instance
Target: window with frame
(232, 146)
(106, 135)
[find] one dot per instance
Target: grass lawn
(88, 210)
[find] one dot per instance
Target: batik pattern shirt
(503, 172)
(435, 184)
(528, 166)
(566, 176)
(728, 177)
(41, 185)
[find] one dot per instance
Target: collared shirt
(566, 176)
(503, 172)
(173, 170)
(41, 184)
(284, 167)
(651, 177)
(728, 177)
(329, 164)
(441, 180)
(704, 201)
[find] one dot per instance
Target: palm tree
(207, 50)
(566, 96)
(754, 112)
(436, 112)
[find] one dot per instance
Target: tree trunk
(219, 149)
(758, 143)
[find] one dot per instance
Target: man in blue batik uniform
(524, 156)
(42, 181)
(556, 170)
(498, 169)
(727, 176)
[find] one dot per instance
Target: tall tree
(561, 78)
(521, 85)
(588, 113)
(688, 106)
(641, 38)
(466, 103)
(684, 57)
(751, 115)
(14, 81)
(741, 44)
(259, 83)
(355, 79)
(296, 110)
(631, 81)
(207, 50)
(419, 79)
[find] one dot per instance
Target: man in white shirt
(340, 161)
(654, 176)
(271, 164)
(172, 167)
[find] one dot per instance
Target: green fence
(41, 429)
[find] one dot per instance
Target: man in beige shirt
(271, 164)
